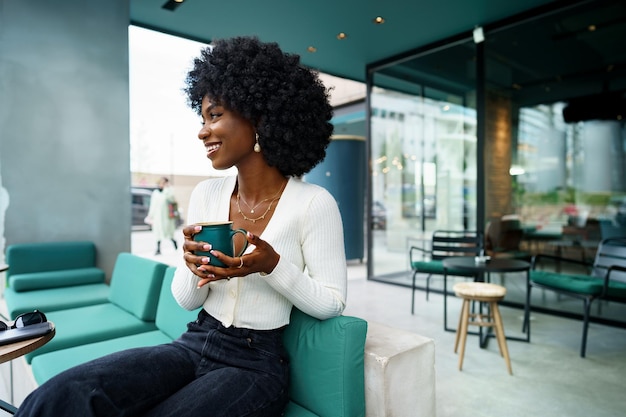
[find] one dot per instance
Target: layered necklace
(271, 200)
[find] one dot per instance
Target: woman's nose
(204, 132)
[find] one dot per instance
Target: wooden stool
(484, 293)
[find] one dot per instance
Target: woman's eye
(214, 115)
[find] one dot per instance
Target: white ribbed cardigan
(305, 230)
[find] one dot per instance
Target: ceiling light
(179, 1)
(479, 34)
(379, 20)
(341, 36)
(311, 49)
(591, 28)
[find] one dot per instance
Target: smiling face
(227, 137)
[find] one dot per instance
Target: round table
(17, 349)
(469, 263)
(14, 351)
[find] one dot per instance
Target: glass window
(423, 151)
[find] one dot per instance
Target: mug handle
(245, 242)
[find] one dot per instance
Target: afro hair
(285, 101)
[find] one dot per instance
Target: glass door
(423, 155)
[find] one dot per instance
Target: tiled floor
(549, 377)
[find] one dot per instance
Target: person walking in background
(162, 214)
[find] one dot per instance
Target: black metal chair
(606, 280)
(445, 243)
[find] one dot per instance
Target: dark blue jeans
(210, 371)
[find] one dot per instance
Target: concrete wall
(64, 123)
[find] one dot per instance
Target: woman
(268, 116)
(159, 216)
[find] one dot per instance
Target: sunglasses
(25, 319)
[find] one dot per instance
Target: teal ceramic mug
(220, 235)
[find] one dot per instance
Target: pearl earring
(257, 147)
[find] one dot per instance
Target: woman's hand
(262, 259)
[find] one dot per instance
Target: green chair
(606, 280)
(445, 243)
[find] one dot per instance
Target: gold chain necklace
(261, 202)
(269, 207)
(258, 218)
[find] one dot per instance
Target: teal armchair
(327, 366)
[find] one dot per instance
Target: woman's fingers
(262, 259)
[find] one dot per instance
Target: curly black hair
(284, 100)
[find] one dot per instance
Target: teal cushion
(327, 371)
(171, 318)
(50, 364)
(55, 299)
(49, 256)
(436, 267)
(53, 279)
(136, 284)
(80, 326)
(580, 284)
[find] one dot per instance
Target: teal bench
(53, 276)
(171, 322)
(327, 357)
(131, 307)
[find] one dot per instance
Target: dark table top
(493, 265)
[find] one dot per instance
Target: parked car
(140, 205)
